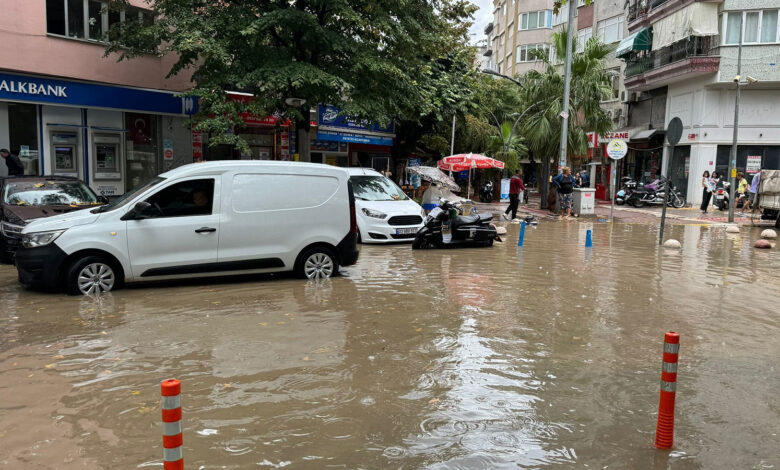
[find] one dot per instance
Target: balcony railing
(637, 9)
(657, 3)
(693, 46)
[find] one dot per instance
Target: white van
(203, 219)
(384, 213)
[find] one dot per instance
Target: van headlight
(10, 230)
(37, 239)
(374, 214)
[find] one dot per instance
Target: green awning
(641, 40)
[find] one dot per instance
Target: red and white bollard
(664, 431)
(172, 432)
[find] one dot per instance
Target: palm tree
(590, 84)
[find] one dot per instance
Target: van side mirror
(137, 212)
(103, 199)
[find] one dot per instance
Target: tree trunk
(303, 142)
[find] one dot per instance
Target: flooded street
(535, 357)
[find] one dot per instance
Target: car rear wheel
(317, 263)
(92, 275)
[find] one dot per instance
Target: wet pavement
(537, 357)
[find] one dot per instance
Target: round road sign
(617, 149)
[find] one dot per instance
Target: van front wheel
(91, 275)
(317, 263)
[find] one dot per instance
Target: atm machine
(107, 163)
(65, 149)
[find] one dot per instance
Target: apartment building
(681, 61)
(519, 27)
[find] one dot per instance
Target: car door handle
(205, 230)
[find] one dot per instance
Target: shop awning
(697, 19)
(642, 40)
(645, 134)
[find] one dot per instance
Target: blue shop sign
(89, 95)
(330, 116)
(353, 138)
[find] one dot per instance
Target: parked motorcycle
(445, 227)
(486, 193)
(628, 185)
(722, 195)
(653, 194)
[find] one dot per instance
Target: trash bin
(585, 201)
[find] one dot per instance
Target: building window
(582, 37)
(90, 19)
(536, 20)
(563, 15)
(525, 52)
(759, 27)
(611, 29)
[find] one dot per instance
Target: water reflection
(536, 356)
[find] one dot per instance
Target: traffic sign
(617, 149)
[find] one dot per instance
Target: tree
(376, 59)
(590, 84)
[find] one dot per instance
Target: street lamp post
(567, 84)
(733, 160)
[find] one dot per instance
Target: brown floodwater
(536, 357)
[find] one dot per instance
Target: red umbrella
(467, 161)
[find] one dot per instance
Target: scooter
(625, 192)
(654, 194)
(445, 227)
(722, 195)
(486, 193)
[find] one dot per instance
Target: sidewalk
(624, 214)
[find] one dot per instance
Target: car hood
(21, 215)
(63, 221)
(403, 207)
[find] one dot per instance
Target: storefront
(268, 138)
(113, 137)
(359, 144)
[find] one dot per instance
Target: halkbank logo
(32, 88)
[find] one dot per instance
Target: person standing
(706, 184)
(565, 185)
(515, 186)
(15, 167)
(753, 190)
(742, 186)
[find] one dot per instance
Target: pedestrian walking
(753, 190)
(515, 186)
(15, 167)
(707, 188)
(565, 184)
(742, 186)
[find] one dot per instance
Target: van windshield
(126, 197)
(376, 188)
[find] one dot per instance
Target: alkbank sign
(33, 88)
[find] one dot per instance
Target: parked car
(384, 213)
(26, 198)
(208, 219)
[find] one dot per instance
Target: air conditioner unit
(623, 96)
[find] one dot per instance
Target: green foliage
(380, 60)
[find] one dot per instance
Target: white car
(384, 213)
(206, 219)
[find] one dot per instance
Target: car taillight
(353, 227)
(720, 192)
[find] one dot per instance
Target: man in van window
(202, 202)
(15, 167)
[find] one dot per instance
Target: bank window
(759, 27)
(90, 19)
(611, 29)
(188, 198)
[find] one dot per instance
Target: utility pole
(733, 160)
(567, 84)
(452, 142)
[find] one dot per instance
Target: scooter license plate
(405, 231)
(719, 197)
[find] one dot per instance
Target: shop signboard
(328, 146)
(284, 148)
(168, 149)
(617, 149)
(197, 146)
(753, 164)
(334, 136)
(330, 116)
(89, 95)
(415, 162)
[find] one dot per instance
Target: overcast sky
(481, 19)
